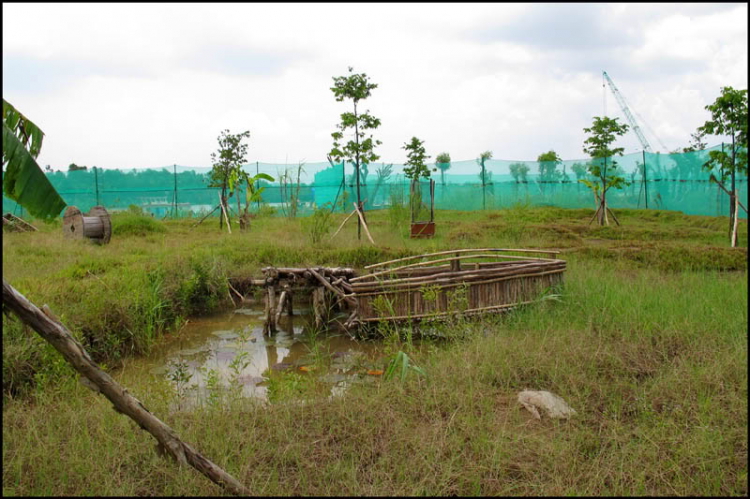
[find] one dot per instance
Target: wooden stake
(342, 223)
(279, 308)
(367, 231)
(270, 326)
(60, 338)
(224, 211)
(713, 179)
(205, 217)
(613, 216)
(736, 219)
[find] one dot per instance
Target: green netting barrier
(658, 181)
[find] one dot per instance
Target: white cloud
(139, 85)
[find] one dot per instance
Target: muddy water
(211, 351)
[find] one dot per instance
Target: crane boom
(626, 110)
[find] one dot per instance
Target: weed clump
(135, 222)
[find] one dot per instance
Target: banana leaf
(23, 179)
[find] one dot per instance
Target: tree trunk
(60, 338)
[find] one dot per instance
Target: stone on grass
(551, 404)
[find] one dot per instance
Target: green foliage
(202, 289)
(319, 224)
(548, 162)
(519, 171)
(579, 170)
(231, 155)
(484, 175)
(400, 366)
(415, 165)
(253, 194)
(443, 162)
(131, 223)
(728, 117)
(354, 87)
(23, 180)
(602, 135)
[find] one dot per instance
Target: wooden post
(270, 325)
(60, 338)
(736, 219)
(318, 304)
(279, 309)
(289, 304)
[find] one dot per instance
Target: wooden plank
(411, 287)
(460, 251)
(462, 257)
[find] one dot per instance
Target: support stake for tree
(60, 338)
(224, 211)
(205, 217)
(362, 219)
(736, 219)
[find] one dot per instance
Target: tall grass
(648, 344)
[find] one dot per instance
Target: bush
(319, 224)
(134, 224)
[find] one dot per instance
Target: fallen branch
(60, 338)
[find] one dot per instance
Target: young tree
(23, 179)
(602, 135)
(355, 87)
(415, 167)
(483, 174)
(443, 162)
(519, 171)
(227, 165)
(548, 162)
(728, 117)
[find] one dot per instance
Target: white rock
(554, 406)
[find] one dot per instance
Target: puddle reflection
(215, 351)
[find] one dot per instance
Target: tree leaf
(24, 181)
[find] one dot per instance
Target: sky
(149, 85)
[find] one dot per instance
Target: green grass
(648, 345)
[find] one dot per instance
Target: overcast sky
(149, 85)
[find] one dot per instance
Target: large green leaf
(23, 180)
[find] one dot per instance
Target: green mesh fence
(668, 182)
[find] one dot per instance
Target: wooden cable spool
(94, 225)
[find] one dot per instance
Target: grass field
(648, 343)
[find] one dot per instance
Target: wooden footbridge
(422, 287)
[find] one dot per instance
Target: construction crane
(631, 119)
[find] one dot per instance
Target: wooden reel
(94, 225)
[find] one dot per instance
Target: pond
(229, 350)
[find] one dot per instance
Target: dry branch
(64, 342)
